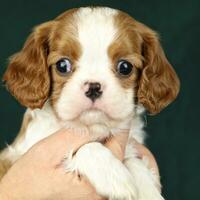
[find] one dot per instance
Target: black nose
(94, 91)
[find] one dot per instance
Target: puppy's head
(92, 64)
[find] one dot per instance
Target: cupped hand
(40, 175)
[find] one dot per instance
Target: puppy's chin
(94, 116)
(93, 121)
(97, 123)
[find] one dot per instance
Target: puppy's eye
(64, 66)
(124, 67)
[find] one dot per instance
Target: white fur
(145, 180)
(114, 179)
(43, 124)
(113, 112)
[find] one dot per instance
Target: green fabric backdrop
(173, 134)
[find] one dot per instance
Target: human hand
(39, 173)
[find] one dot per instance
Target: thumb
(64, 141)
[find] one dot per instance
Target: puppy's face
(94, 68)
(94, 65)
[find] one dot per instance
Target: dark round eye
(64, 66)
(124, 67)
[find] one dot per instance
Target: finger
(145, 152)
(91, 193)
(81, 188)
(117, 144)
(69, 137)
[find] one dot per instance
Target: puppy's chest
(44, 124)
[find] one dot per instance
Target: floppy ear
(27, 76)
(158, 84)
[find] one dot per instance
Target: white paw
(146, 181)
(105, 172)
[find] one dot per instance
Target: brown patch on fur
(66, 15)
(158, 84)
(28, 76)
(4, 167)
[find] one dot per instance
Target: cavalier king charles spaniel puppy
(94, 69)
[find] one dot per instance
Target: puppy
(96, 70)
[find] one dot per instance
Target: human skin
(39, 174)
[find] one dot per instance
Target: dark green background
(173, 134)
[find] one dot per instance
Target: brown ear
(27, 76)
(159, 84)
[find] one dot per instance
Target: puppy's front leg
(145, 179)
(105, 172)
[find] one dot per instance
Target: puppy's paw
(106, 173)
(146, 180)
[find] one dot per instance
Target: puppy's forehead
(96, 29)
(95, 34)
